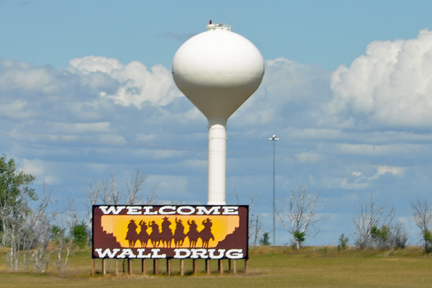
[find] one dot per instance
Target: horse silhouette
(206, 233)
(179, 234)
(143, 236)
(166, 235)
(132, 235)
(193, 234)
(155, 236)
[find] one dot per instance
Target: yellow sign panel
(137, 231)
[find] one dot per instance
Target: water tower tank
(217, 70)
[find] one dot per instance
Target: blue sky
(86, 90)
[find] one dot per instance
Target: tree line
(31, 232)
(375, 225)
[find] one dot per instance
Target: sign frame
(209, 231)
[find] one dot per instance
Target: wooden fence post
(104, 266)
(181, 267)
(168, 267)
(156, 266)
(195, 266)
(221, 266)
(143, 266)
(130, 268)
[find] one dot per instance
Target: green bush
(428, 240)
(299, 238)
(265, 240)
(79, 234)
(343, 242)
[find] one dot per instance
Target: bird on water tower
(217, 70)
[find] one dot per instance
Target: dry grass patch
(269, 267)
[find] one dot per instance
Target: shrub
(265, 240)
(79, 234)
(343, 242)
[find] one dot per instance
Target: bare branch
(133, 186)
(422, 212)
(375, 227)
(299, 214)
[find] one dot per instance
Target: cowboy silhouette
(206, 233)
(155, 235)
(132, 235)
(166, 235)
(143, 236)
(193, 234)
(179, 234)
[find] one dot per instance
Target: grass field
(268, 267)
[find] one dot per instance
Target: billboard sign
(170, 231)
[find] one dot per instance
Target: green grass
(268, 267)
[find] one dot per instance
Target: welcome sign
(170, 231)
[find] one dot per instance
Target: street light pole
(274, 139)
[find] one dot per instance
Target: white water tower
(217, 70)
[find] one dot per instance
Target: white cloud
(14, 109)
(82, 127)
(137, 84)
(360, 180)
(18, 75)
(390, 85)
(92, 64)
(344, 183)
(36, 168)
(288, 96)
(380, 171)
(308, 157)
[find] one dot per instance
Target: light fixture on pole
(274, 139)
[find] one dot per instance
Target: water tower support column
(217, 164)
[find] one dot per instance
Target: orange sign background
(118, 226)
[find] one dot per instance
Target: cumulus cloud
(391, 85)
(288, 96)
(22, 76)
(137, 84)
(88, 97)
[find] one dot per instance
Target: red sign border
(244, 220)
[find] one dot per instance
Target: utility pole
(274, 139)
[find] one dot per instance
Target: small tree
(370, 218)
(427, 236)
(422, 212)
(399, 236)
(343, 242)
(79, 234)
(376, 227)
(265, 240)
(300, 214)
(19, 223)
(299, 238)
(382, 236)
(15, 195)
